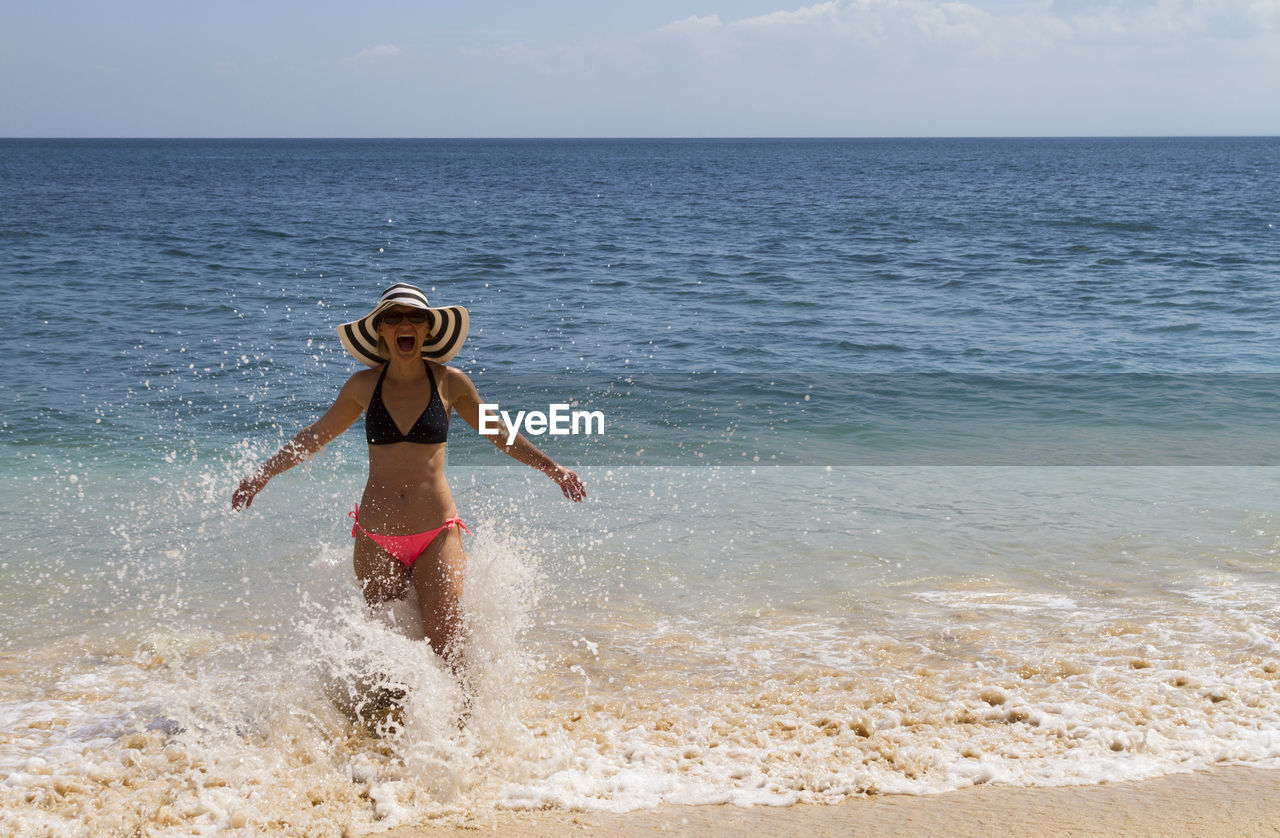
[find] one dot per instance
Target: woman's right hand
(242, 497)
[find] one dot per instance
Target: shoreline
(1224, 802)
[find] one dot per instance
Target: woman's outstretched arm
(467, 402)
(342, 414)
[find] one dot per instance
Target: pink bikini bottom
(406, 548)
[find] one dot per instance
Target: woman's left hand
(244, 494)
(568, 481)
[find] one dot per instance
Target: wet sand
(1229, 801)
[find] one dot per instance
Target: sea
(920, 464)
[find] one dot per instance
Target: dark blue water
(162, 284)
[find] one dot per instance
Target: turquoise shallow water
(925, 463)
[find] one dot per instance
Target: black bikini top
(431, 428)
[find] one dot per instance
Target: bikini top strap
(431, 376)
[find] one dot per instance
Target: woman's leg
(381, 577)
(437, 577)
(375, 700)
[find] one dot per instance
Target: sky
(657, 68)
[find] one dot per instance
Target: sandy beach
(1229, 801)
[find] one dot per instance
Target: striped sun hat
(447, 327)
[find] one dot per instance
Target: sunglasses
(393, 318)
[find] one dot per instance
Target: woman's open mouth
(404, 343)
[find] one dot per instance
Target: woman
(406, 525)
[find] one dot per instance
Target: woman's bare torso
(406, 491)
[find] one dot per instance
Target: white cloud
(693, 24)
(836, 23)
(904, 23)
(375, 53)
(897, 67)
(821, 12)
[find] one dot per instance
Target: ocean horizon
(638, 138)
